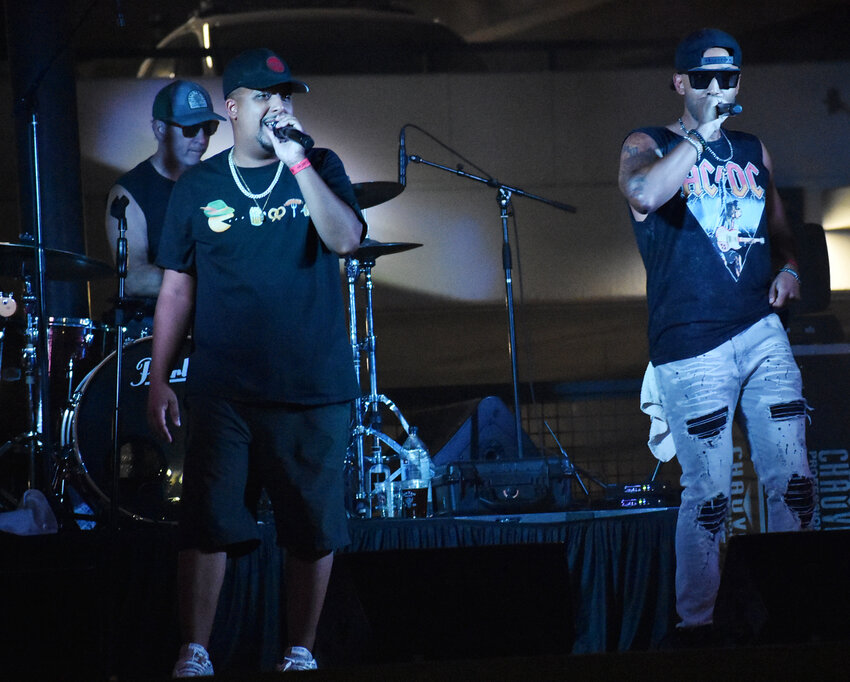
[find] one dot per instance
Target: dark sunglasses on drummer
(700, 80)
(209, 128)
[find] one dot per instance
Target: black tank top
(152, 192)
(707, 250)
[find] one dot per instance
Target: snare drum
(151, 471)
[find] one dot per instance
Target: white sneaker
(297, 658)
(193, 661)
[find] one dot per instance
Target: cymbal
(373, 193)
(59, 265)
(370, 249)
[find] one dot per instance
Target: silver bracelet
(696, 145)
(792, 272)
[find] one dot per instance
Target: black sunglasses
(209, 128)
(700, 80)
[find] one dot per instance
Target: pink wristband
(300, 166)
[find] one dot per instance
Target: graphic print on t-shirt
(728, 203)
(220, 216)
(218, 213)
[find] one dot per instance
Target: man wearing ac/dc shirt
(719, 258)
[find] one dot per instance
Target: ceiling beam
(526, 20)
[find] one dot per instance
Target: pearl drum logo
(143, 367)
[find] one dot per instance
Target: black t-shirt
(707, 250)
(151, 191)
(269, 320)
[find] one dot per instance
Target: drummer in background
(183, 122)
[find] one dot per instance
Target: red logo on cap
(275, 65)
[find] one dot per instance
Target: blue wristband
(792, 272)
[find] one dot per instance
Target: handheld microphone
(290, 133)
(731, 108)
(402, 159)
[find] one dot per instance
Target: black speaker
(473, 430)
(453, 603)
(813, 259)
(783, 588)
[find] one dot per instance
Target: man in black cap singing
(719, 258)
(183, 122)
(250, 252)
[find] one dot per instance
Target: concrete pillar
(44, 90)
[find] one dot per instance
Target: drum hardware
(34, 438)
(505, 210)
(44, 340)
(367, 408)
(7, 309)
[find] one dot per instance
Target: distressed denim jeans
(753, 377)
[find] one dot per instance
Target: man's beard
(263, 141)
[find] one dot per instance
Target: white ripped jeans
(754, 372)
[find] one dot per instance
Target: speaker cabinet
(785, 588)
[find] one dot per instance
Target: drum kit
(77, 471)
(75, 466)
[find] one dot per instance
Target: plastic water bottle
(416, 463)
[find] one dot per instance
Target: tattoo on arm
(632, 150)
(633, 161)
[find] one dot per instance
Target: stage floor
(90, 604)
(584, 594)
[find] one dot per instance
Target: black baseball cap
(689, 54)
(258, 69)
(184, 103)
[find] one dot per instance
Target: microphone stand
(118, 211)
(505, 209)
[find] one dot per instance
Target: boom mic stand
(505, 210)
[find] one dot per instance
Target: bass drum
(151, 471)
